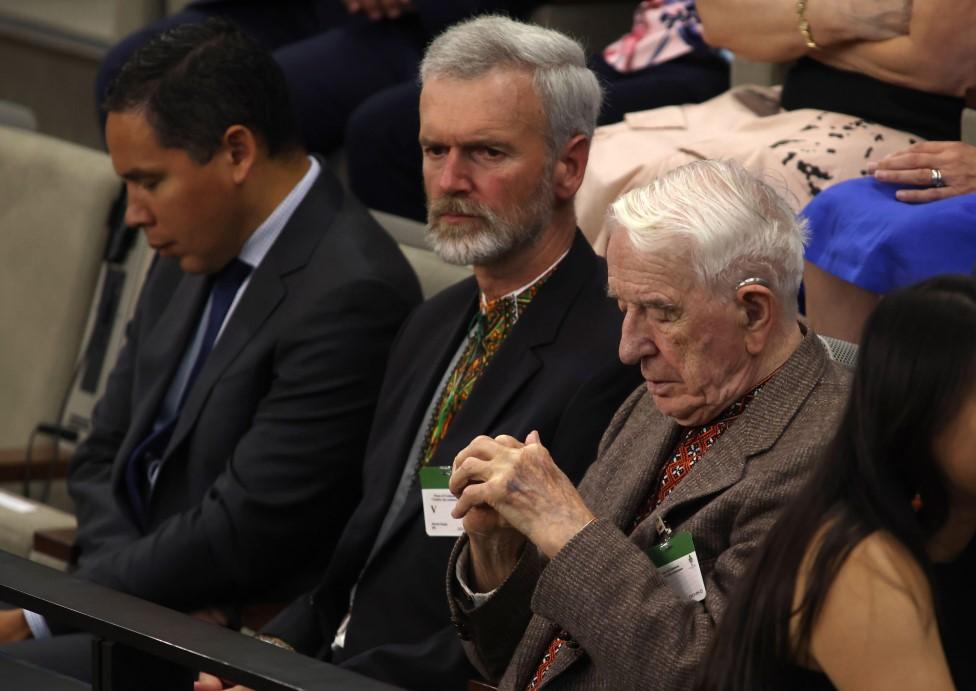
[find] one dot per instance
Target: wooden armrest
(14, 461)
(57, 543)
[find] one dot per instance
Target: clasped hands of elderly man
(509, 491)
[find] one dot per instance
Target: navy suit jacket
(263, 467)
(556, 372)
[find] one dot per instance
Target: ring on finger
(937, 180)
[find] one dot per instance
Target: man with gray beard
(527, 344)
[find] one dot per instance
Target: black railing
(141, 645)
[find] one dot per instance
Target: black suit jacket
(263, 468)
(557, 372)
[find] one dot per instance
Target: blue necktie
(149, 452)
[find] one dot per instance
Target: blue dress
(863, 235)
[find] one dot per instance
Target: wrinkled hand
(875, 20)
(523, 485)
(13, 626)
(914, 165)
(208, 682)
(379, 9)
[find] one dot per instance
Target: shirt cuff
(461, 568)
(37, 624)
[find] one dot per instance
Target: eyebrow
(653, 303)
(139, 174)
(489, 142)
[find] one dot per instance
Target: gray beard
(491, 237)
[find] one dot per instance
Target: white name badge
(677, 562)
(439, 502)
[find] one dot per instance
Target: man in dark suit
(528, 343)
(225, 454)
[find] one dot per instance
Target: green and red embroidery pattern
(488, 330)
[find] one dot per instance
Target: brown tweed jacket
(629, 630)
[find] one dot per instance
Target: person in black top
(865, 582)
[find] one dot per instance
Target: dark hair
(196, 80)
(916, 368)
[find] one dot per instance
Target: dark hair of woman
(916, 368)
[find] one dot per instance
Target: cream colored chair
(55, 199)
(17, 115)
(433, 273)
(54, 203)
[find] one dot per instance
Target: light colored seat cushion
(54, 202)
(20, 518)
(433, 273)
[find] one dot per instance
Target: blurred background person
(912, 220)
(334, 53)
(870, 78)
(866, 580)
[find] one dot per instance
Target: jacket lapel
(515, 363)
(762, 423)
(421, 380)
(638, 455)
(266, 290)
(518, 358)
(259, 301)
(161, 353)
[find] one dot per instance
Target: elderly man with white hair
(619, 584)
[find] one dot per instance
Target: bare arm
(768, 29)
(877, 629)
(934, 56)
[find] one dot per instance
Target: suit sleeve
(491, 632)
(604, 590)
(101, 526)
(292, 478)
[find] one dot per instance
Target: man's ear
(570, 166)
(757, 307)
(240, 149)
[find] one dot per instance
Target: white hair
(569, 91)
(734, 225)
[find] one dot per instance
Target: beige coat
(798, 152)
(629, 630)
